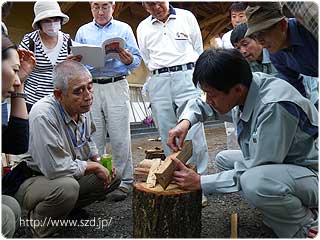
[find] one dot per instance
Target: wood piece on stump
(144, 170)
(155, 153)
(234, 225)
(170, 213)
(146, 163)
(151, 180)
(165, 172)
(140, 174)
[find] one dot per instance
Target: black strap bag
(13, 179)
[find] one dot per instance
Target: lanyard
(70, 132)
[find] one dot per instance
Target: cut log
(155, 153)
(170, 213)
(164, 174)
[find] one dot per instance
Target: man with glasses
(110, 109)
(293, 49)
(170, 42)
(63, 156)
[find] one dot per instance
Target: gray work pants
(283, 192)
(11, 214)
(168, 92)
(110, 113)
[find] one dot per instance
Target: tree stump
(170, 213)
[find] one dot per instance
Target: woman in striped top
(50, 47)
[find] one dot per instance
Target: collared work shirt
(175, 42)
(277, 125)
(265, 65)
(51, 146)
(300, 57)
(94, 34)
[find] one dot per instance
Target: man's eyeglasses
(104, 8)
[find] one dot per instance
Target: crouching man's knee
(219, 161)
(60, 197)
(67, 192)
(226, 159)
(254, 187)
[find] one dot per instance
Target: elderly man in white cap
(50, 47)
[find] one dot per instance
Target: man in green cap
(293, 49)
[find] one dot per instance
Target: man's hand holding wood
(178, 133)
(185, 178)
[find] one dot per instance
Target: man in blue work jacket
(277, 129)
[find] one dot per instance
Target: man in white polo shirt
(170, 42)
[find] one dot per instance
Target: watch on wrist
(18, 95)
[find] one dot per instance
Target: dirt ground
(114, 220)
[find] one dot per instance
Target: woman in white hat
(50, 46)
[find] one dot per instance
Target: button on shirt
(300, 57)
(94, 34)
(51, 147)
(265, 65)
(277, 125)
(175, 42)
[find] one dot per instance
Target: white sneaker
(204, 201)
